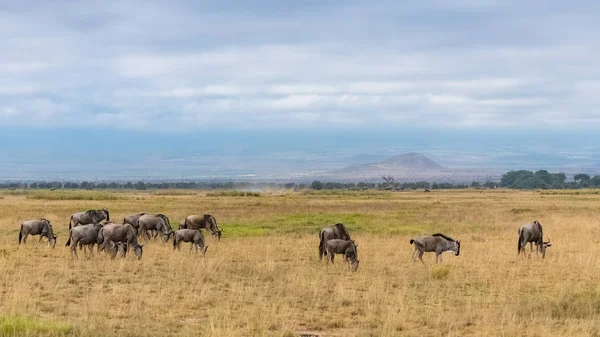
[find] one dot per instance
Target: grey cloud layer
(253, 64)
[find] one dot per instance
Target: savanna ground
(265, 279)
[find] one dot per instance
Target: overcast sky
(185, 66)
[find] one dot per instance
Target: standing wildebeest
(119, 233)
(158, 223)
(346, 247)
(437, 243)
(189, 235)
(532, 233)
(84, 235)
(132, 220)
(89, 217)
(337, 231)
(205, 221)
(41, 227)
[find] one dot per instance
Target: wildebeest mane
(44, 219)
(342, 229)
(444, 236)
(165, 218)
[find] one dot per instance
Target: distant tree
(581, 177)
(316, 185)
(140, 185)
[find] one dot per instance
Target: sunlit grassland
(265, 279)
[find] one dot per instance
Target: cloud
(186, 65)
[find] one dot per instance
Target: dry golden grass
(265, 279)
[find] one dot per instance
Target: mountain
(404, 162)
(404, 167)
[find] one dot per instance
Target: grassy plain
(265, 279)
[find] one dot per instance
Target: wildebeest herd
(86, 229)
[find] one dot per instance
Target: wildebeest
(205, 221)
(189, 235)
(84, 235)
(89, 217)
(345, 247)
(337, 231)
(532, 233)
(132, 219)
(41, 227)
(119, 233)
(159, 223)
(437, 243)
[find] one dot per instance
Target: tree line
(521, 179)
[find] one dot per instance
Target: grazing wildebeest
(337, 231)
(119, 233)
(189, 235)
(158, 223)
(132, 220)
(205, 221)
(532, 233)
(89, 217)
(345, 247)
(437, 243)
(41, 227)
(84, 235)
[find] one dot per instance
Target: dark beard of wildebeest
(132, 220)
(337, 231)
(89, 217)
(119, 233)
(41, 227)
(189, 235)
(84, 235)
(158, 223)
(437, 243)
(345, 247)
(205, 221)
(532, 233)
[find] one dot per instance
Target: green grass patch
(440, 272)
(30, 326)
(232, 194)
(71, 195)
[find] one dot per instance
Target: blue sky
(164, 77)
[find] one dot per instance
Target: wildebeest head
(543, 246)
(138, 250)
(105, 210)
(213, 225)
(52, 240)
(457, 251)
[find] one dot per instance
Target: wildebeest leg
(421, 256)
(40, 240)
(25, 238)
(91, 248)
(415, 253)
(74, 248)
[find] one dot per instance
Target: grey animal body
(345, 247)
(337, 231)
(205, 221)
(437, 243)
(158, 223)
(532, 233)
(41, 227)
(84, 235)
(190, 235)
(119, 233)
(132, 220)
(89, 217)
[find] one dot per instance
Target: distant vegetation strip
(521, 179)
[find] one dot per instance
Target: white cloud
(185, 65)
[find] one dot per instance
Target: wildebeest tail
(174, 241)
(69, 241)
(412, 241)
(100, 237)
(519, 241)
(322, 249)
(70, 222)
(21, 234)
